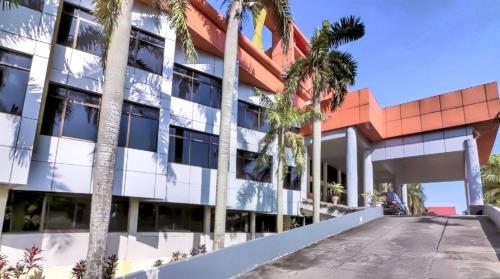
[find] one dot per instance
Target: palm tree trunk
(228, 83)
(279, 189)
(107, 140)
(316, 160)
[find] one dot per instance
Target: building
(442, 210)
(164, 188)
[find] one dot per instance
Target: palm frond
(284, 21)
(106, 13)
(9, 4)
(264, 100)
(296, 144)
(175, 11)
(346, 30)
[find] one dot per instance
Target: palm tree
(9, 4)
(115, 16)
(328, 70)
(416, 198)
(283, 117)
(237, 10)
(490, 175)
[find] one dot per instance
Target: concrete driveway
(398, 247)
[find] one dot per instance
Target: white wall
(29, 32)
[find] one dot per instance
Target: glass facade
(252, 117)
(146, 51)
(71, 113)
(246, 167)
(193, 148)
(139, 127)
(196, 87)
(14, 77)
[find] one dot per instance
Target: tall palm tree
(283, 117)
(416, 198)
(236, 11)
(328, 70)
(115, 17)
(490, 175)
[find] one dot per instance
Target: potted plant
(336, 189)
(367, 195)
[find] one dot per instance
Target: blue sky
(414, 49)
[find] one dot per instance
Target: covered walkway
(398, 247)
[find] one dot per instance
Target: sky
(413, 49)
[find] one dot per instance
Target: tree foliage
(416, 198)
(490, 175)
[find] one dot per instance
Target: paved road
(398, 247)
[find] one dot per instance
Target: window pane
(246, 167)
(122, 136)
(179, 219)
(89, 38)
(265, 223)
(147, 218)
(196, 219)
(80, 122)
(159, 42)
(23, 211)
(149, 57)
(181, 87)
(51, 125)
(13, 85)
(292, 179)
(13, 59)
(118, 221)
(214, 152)
(82, 216)
(60, 213)
(143, 133)
(216, 97)
(201, 93)
(165, 221)
(199, 154)
(36, 5)
(178, 150)
(67, 29)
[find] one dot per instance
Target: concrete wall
(228, 262)
(61, 250)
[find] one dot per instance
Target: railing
(235, 260)
(494, 214)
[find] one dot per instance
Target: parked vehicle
(394, 205)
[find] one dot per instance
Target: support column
(324, 186)
(4, 195)
(404, 197)
(352, 167)
(339, 177)
(207, 219)
(368, 177)
(467, 197)
(252, 224)
(133, 216)
(473, 174)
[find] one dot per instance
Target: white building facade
(165, 178)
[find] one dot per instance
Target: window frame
(260, 111)
(39, 8)
(63, 112)
(129, 123)
(287, 182)
(78, 19)
(213, 140)
(239, 153)
(191, 76)
(186, 215)
(20, 68)
(45, 206)
(137, 40)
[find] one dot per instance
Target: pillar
(473, 175)
(339, 176)
(207, 219)
(404, 197)
(133, 216)
(368, 176)
(352, 167)
(4, 195)
(324, 186)
(467, 198)
(252, 224)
